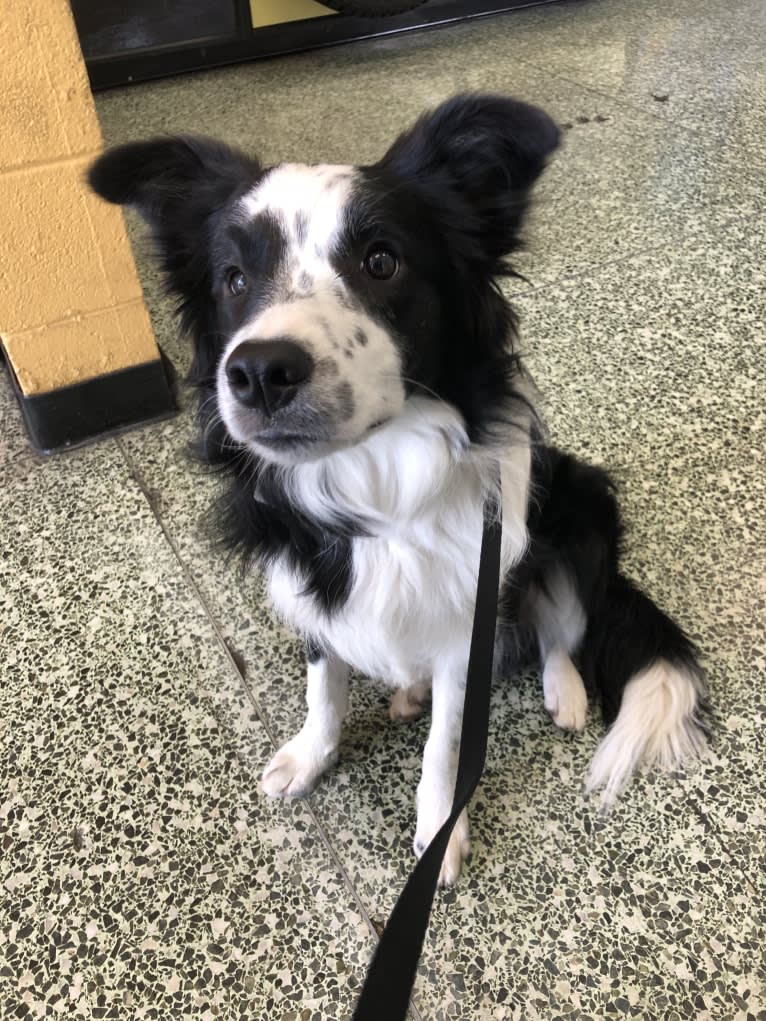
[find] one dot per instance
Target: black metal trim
(137, 65)
(83, 412)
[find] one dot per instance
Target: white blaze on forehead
(357, 380)
(307, 201)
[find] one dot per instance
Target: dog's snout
(267, 374)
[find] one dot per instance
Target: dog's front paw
(296, 768)
(458, 848)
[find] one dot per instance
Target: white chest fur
(420, 488)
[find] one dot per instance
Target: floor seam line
(693, 802)
(596, 267)
(221, 639)
(627, 104)
(590, 272)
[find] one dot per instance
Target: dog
(361, 390)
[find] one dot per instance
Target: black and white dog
(358, 385)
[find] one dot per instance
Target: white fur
(320, 193)
(657, 723)
(317, 195)
(559, 617)
(419, 489)
(564, 691)
(298, 765)
(436, 789)
(560, 624)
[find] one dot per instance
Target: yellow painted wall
(278, 12)
(71, 306)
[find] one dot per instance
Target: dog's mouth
(308, 445)
(282, 440)
(378, 425)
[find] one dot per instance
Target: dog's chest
(410, 600)
(419, 492)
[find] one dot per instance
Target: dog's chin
(291, 448)
(288, 448)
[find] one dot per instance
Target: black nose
(267, 374)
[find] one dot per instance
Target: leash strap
(387, 989)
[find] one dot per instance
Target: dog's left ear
(177, 185)
(487, 150)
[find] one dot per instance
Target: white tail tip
(658, 723)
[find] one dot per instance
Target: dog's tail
(651, 686)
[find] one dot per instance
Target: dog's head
(321, 298)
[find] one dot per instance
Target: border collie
(359, 387)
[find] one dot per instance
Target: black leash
(387, 989)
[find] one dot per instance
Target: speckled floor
(143, 686)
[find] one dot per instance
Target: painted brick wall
(71, 306)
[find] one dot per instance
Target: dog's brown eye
(381, 264)
(237, 282)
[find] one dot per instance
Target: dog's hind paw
(407, 704)
(564, 692)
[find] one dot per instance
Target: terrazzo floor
(144, 685)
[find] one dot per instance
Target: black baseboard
(83, 412)
(123, 66)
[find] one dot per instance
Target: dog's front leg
(296, 768)
(437, 784)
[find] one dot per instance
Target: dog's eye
(381, 264)
(237, 282)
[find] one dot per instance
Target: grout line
(591, 271)
(59, 161)
(692, 800)
(594, 269)
(194, 586)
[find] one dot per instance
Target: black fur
(455, 186)
(267, 525)
(452, 193)
(484, 153)
(181, 186)
(574, 523)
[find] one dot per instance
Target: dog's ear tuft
(487, 150)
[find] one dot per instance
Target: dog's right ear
(177, 185)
